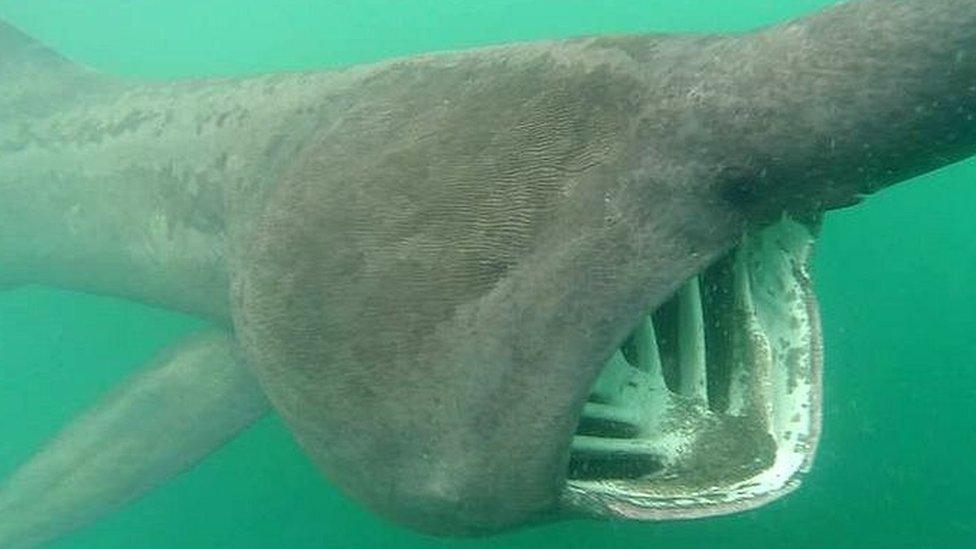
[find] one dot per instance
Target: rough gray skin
(430, 259)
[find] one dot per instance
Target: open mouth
(712, 405)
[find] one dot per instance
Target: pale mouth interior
(712, 405)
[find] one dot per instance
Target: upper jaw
(713, 404)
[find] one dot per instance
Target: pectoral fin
(194, 397)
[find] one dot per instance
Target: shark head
(572, 278)
(484, 289)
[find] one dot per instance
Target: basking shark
(484, 289)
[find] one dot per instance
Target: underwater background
(895, 278)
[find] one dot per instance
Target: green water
(895, 279)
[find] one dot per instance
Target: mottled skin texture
(429, 259)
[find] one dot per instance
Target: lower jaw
(712, 406)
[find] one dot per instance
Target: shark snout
(474, 506)
(489, 467)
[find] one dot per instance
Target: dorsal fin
(17, 49)
(34, 78)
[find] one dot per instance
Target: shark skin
(427, 263)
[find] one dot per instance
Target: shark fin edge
(34, 78)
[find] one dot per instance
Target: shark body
(463, 279)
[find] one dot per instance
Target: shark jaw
(712, 405)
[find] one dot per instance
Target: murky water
(895, 277)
